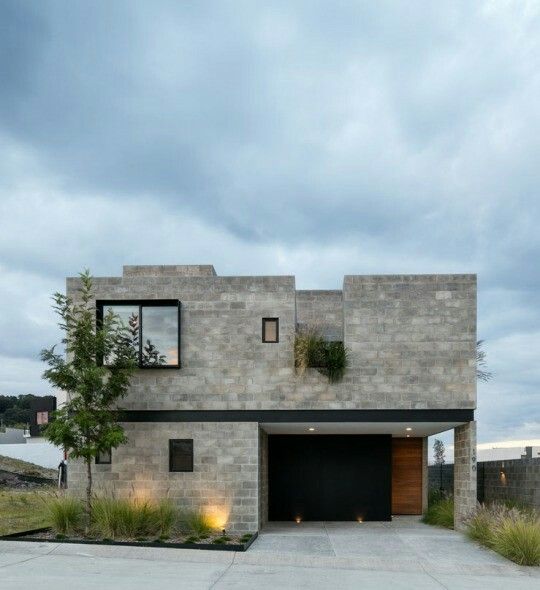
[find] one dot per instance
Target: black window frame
(102, 303)
(100, 462)
(263, 335)
(171, 442)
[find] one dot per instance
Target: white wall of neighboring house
(41, 453)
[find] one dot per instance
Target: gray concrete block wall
(517, 480)
(225, 478)
(464, 473)
(520, 483)
(411, 341)
(322, 310)
(413, 338)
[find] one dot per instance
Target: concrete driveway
(399, 555)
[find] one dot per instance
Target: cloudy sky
(308, 138)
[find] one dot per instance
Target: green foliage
(480, 527)
(440, 513)
(518, 540)
(308, 350)
(15, 410)
(65, 514)
(86, 425)
(335, 361)
(196, 522)
(438, 452)
(124, 518)
(311, 350)
(511, 531)
(435, 496)
(166, 515)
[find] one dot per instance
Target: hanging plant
(312, 351)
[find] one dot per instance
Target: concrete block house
(219, 420)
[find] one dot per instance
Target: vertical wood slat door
(406, 476)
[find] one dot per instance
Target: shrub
(511, 531)
(335, 361)
(125, 518)
(435, 495)
(308, 350)
(480, 527)
(311, 350)
(518, 540)
(166, 515)
(65, 514)
(441, 513)
(196, 522)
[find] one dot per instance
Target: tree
(86, 425)
(482, 374)
(438, 455)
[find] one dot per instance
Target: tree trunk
(88, 494)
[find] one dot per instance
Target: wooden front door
(406, 476)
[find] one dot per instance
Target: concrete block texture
(225, 478)
(411, 341)
(464, 473)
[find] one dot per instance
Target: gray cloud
(310, 138)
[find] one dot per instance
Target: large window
(153, 328)
(181, 454)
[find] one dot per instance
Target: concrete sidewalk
(402, 554)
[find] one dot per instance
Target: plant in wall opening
(312, 351)
(86, 425)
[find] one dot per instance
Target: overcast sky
(307, 138)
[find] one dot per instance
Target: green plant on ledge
(312, 351)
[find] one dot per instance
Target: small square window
(104, 458)
(270, 330)
(42, 418)
(181, 454)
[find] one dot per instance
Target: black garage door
(329, 477)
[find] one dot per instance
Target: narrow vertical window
(270, 330)
(181, 454)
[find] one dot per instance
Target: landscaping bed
(125, 521)
(509, 529)
(218, 542)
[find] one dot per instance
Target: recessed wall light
(311, 429)
(408, 428)
(408, 436)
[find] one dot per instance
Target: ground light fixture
(298, 520)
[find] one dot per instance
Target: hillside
(18, 467)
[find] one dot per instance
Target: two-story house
(218, 418)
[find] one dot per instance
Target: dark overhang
(445, 415)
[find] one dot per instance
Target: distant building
(496, 453)
(11, 436)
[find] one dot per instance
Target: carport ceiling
(397, 429)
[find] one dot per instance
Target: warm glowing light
(409, 428)
(298, 520)
(217, 516)
(311, 429)
(360, 519)
(408, 435)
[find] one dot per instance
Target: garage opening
(329, 477)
